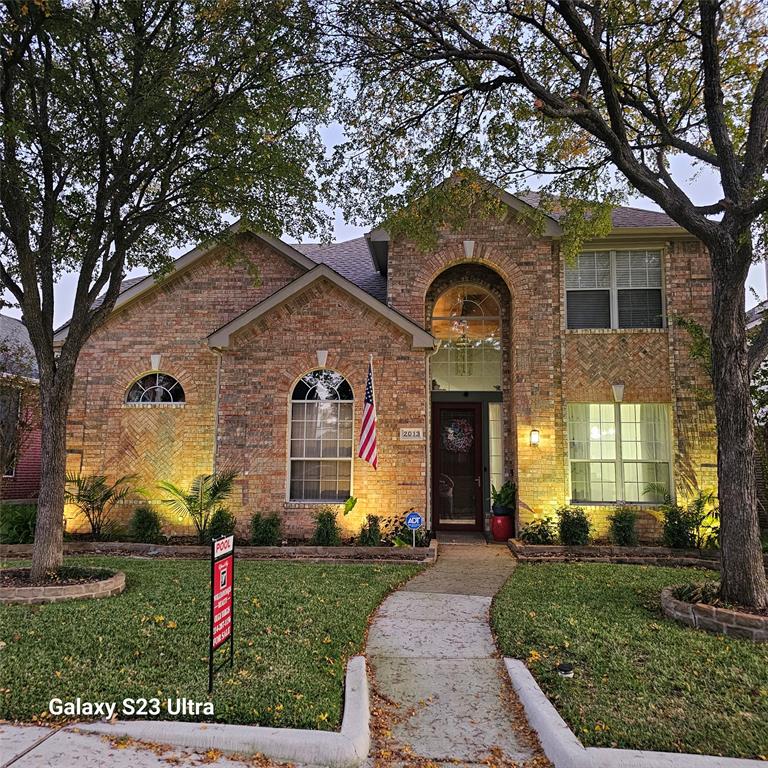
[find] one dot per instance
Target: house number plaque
(411, 433)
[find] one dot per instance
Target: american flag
(368, 450)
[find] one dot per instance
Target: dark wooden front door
(457, 462)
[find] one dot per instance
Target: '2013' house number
(411, 433)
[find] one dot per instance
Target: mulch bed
(706, 593)
(19, 577)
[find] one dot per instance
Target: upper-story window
(467, 320)
(615, 289)
(155, 388)
(321, 437)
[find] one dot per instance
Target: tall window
(617, 450)
(321, 437)
(615, 289)
(155, 388)
(467, 320)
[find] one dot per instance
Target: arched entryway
(468, 310)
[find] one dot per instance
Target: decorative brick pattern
(237, 401)
(58, 593)
(722, 621)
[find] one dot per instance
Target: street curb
(345, 749)
(564, 750)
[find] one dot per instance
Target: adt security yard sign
(414, 521)
(222, 601)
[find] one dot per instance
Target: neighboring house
(19, 413)
(492, 357)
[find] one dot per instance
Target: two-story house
(493, 358)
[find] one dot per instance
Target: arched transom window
(155, 388)
(321, 438)
(467, 320)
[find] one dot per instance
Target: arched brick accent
(529, 266)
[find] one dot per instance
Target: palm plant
(95, 497)
(205, 496)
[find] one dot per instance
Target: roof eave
(220, 339)
(189, 258)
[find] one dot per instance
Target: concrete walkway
(433, 658)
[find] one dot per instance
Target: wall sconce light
(322, 357)
(535, 436)
(618, 391)
(469, 248)
(154, 361)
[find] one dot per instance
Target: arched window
(155, 388)
(467, 320)
(321, 437)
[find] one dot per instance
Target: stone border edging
(723, 621)
(564, 750)
(351, 554)
(609, 553)
(58, 593)
(345, 749)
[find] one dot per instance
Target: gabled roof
(130, 289)
(351, 260)
(15, 334)
(626, 220)
(220, 339)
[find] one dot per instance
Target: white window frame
(619, 460)
(11, 475)
(613, 291)
(290, 459)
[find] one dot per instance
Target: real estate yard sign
(222, 601)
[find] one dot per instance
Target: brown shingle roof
(622, 216)
(351, 259)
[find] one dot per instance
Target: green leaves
(205, 497)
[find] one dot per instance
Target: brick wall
(24, 485)
(175, 442)
(254, 410)
(550, 366)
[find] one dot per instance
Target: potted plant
(504, 505)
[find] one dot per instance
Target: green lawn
(641, 681)
(295, 626)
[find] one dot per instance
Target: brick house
(19, 411)
(493, 359)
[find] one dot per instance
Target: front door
(457, 462)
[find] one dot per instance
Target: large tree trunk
(48, 550)
(743, 578)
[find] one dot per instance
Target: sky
(701, 185)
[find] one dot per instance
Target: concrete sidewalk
(28, 746)
(432, 655)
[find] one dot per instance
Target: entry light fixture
(535, 436)
(154, 361)
(618, 391)
(469, 248)
(322, 357)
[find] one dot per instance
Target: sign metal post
(222, 602)
(414, 521)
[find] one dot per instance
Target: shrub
(146, 525)
(327, 532)
(265, 531)
(691, 526)
(370, 533)
(17, 523)
(539, 531)
(623, 527)
(222, 523)
(573, 526)
(95, 498)
(204, 497)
